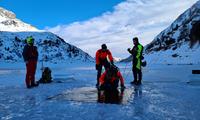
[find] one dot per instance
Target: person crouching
(109, 80)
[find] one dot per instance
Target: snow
(50, 47)
(179, 51)
(185, 54)
(9, 22)
(165, 94)
(169, 90)
(117, 59)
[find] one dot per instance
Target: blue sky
(49, 13)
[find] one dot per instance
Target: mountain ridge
(179, 43)
(51, 47)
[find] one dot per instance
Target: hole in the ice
(92, 95)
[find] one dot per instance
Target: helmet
(113, 68)
(30, 40)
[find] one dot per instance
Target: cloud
(141, 18)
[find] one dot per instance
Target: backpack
(144, 62)
(46, 76)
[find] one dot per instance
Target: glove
(123, 87)
(142, 57)
(102, 87)
(129, 49)
(112, 63)
(101, 97)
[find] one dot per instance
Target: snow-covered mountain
(179, 43)
(51, 47)
(9, 22)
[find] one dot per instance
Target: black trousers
(137, 73)
(106, 65)
(99, 73)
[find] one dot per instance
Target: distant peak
(6, 13)
(9, 22)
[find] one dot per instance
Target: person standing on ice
(30, 55)
(103, 58)
(136, 53)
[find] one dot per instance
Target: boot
(29, 86)
(35, 84)
(134, 82)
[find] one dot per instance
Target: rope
(125, 71)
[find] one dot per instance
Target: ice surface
(165, 94)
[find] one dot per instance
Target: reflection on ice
(110, 96)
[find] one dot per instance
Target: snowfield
(164, 95)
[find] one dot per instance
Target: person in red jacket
(109, 80)
(30, 55)
(103, 58)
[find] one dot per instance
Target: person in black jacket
(136, 53)
(30, 55)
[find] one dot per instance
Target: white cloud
(142, 18)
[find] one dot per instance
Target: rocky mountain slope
(51, 47)
(179, 43)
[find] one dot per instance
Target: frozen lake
(165, 94)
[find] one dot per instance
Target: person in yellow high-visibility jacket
(136, 53)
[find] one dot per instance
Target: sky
(89, 23)
(43, 13)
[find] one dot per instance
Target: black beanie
(103, 46)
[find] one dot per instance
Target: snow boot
(29, 86)
(35, 84)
